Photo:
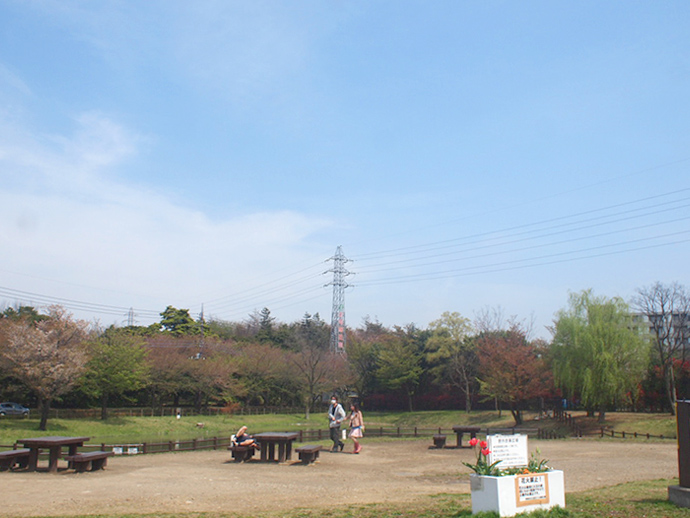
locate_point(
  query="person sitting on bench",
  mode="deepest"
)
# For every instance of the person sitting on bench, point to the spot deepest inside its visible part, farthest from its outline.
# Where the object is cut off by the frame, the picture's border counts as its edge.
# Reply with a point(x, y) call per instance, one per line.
point(242, 438)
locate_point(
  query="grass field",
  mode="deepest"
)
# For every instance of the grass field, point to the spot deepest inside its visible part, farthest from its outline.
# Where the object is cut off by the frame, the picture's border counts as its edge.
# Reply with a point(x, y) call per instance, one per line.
point(633, 500)
point(153, 429)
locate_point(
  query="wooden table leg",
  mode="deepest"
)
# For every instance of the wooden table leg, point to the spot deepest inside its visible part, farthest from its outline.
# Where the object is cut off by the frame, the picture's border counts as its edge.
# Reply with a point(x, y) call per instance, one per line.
point(33, 459)
point(288, 450)
point(271, 451)
point(54, 456)
point(264, 451)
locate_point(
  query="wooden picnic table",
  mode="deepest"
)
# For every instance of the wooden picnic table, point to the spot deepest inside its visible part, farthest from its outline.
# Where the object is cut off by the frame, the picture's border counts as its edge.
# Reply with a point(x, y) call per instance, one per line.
point(268, 442)
point(54, 444)
point(460, 430)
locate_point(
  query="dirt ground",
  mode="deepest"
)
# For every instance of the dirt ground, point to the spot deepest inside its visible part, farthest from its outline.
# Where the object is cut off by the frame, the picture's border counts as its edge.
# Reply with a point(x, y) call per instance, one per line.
point(391, 471)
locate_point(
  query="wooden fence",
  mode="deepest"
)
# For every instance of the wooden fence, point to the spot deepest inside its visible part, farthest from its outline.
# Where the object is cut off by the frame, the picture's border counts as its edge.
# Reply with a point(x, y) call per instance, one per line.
point(628, 435)
point(95, 413)
point(214, 443)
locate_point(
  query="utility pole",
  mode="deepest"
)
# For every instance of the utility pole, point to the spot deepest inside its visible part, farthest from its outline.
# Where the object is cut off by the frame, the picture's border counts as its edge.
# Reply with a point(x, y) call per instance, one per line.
point(338, 335)
point(200, 354)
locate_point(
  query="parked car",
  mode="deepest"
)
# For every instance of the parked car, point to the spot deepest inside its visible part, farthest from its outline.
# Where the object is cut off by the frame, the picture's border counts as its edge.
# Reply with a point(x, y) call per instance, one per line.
point(13, 409)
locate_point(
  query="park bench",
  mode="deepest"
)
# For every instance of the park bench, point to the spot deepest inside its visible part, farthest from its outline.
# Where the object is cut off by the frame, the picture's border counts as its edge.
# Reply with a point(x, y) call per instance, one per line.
point(96, 459)
point(308, 453)
point(439, 441)
point(241, 453)
point(10, 458)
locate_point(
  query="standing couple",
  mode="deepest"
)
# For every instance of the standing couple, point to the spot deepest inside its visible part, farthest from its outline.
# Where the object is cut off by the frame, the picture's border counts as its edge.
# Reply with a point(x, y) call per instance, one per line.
point(336, 415)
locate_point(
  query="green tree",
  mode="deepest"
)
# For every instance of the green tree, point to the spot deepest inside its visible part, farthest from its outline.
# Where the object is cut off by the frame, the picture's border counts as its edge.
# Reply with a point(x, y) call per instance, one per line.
point(400, 362)
point(118, 364)
point(178, 322)
point(451, 352)
point(598, 353)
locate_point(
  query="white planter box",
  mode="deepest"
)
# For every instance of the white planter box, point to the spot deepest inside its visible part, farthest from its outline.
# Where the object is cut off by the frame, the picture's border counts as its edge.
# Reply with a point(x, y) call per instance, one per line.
point(515, 494)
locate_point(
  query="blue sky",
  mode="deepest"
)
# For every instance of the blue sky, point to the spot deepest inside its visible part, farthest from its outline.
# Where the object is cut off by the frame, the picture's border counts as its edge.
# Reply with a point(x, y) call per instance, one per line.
point(466, 155)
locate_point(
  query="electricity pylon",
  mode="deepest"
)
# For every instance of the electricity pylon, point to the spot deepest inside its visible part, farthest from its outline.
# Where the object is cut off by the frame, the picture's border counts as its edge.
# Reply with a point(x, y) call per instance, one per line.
point(338, 334)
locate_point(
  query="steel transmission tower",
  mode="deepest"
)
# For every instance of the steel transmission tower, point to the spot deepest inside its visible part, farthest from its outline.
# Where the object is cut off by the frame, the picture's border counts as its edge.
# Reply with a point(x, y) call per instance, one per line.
point(338, 337)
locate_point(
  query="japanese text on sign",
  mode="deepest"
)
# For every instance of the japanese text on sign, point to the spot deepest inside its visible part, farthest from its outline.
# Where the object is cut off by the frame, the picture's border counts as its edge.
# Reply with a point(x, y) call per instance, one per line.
point(532, 489)
point(511, 450)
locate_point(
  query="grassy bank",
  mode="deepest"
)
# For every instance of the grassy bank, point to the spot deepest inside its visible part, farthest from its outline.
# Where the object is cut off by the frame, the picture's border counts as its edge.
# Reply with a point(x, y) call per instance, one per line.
point(152, 429)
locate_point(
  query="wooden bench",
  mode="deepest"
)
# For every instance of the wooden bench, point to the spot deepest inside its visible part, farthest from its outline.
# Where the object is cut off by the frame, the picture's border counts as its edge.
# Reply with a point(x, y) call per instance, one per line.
point(242, 453)
point(308, 453)
point(10, 458)
point(439, 441)
point(95, 459)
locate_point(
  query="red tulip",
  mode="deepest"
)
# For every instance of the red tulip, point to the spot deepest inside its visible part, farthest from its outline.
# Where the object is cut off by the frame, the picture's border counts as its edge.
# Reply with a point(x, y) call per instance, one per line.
point(483, 445)
point(474, 441)
point(485, 451)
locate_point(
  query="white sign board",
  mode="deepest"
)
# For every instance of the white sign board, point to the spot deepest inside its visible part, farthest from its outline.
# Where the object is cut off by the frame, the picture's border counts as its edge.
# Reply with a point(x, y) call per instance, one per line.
point(511, 450)
point(531, 489)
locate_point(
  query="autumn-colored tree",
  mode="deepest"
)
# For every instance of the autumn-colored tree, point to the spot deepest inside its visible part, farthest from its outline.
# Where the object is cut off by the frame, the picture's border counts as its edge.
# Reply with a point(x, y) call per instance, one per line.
point(48, 356)
point(185, 368)
point(512, 369)
point(266, 374)
point(312, 360)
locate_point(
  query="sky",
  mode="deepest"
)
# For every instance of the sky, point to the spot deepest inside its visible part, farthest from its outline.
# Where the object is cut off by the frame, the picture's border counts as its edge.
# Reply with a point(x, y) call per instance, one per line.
point(466, 156)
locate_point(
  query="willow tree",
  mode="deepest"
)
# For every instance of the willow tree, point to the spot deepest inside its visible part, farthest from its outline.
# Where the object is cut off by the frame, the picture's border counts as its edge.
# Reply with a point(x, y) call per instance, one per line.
point(598, 353)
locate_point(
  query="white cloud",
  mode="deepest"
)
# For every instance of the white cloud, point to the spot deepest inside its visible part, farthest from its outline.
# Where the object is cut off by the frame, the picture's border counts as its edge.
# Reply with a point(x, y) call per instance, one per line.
point(73, 223)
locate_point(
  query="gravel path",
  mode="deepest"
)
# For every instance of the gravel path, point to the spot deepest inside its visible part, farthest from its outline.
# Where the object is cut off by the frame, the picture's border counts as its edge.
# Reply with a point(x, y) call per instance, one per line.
point(208, 481)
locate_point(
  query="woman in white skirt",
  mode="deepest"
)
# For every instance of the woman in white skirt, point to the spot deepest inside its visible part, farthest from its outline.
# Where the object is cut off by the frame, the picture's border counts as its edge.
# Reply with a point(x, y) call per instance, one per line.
point(356, 426)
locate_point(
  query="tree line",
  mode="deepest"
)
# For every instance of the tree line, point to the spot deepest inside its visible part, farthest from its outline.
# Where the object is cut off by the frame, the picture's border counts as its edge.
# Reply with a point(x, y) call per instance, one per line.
point(604, 353)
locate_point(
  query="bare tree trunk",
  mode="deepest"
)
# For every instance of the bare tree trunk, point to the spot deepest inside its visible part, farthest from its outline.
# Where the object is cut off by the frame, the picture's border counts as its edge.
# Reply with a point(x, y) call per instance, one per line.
point(44, 406)
point(468, 397)
point(104, 406)
point(517, 415)
point(602, 415)
point(670, 387)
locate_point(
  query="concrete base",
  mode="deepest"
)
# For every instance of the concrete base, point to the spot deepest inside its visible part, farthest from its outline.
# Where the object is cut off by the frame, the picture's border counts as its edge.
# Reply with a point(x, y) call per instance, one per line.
point(679, 495)
point(504, 496)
